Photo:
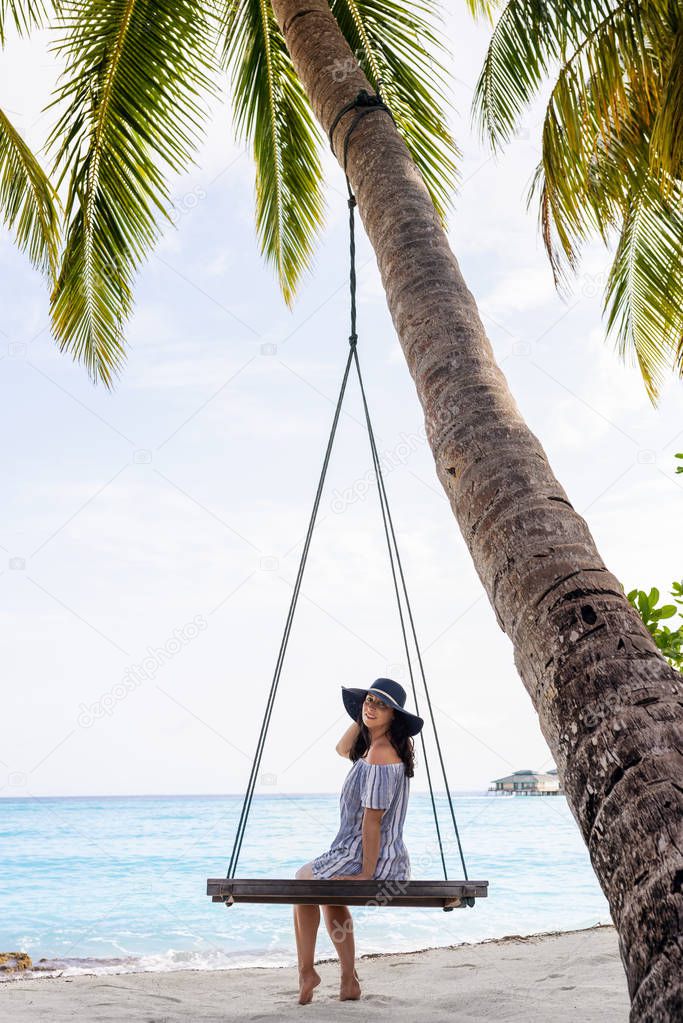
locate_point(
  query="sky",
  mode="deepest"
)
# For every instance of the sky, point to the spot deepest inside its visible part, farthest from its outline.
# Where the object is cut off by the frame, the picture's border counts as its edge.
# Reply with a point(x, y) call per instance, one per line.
point(150, 536)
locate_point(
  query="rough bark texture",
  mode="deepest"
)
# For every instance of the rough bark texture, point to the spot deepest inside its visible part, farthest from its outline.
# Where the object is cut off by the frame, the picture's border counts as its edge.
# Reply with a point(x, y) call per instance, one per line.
point(610, 707)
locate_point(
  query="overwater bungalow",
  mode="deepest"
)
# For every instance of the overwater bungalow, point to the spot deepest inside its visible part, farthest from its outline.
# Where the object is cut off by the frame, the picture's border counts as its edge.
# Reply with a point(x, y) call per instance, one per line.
point(529, 783)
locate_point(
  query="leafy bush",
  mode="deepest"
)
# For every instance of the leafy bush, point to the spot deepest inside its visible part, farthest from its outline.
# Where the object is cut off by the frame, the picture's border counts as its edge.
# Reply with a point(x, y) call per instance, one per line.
point(669, 642)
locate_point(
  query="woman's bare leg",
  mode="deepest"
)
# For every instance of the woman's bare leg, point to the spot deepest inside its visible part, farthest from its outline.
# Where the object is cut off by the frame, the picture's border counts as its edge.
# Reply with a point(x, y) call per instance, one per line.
point(306, 921)
point(339, 923)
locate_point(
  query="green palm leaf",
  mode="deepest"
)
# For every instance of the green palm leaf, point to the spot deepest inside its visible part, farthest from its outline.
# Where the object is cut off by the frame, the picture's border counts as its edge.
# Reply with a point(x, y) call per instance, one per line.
point(605, 183)
point(529, 35)
point(483, 8)
point(591, 39)
point(644, 294)
point(28, 204)
point(133, 94)
point(24, 15)
point(589, 113)
point(666, 144)
point(399, 48)
point(273, 114)
point(612, 151)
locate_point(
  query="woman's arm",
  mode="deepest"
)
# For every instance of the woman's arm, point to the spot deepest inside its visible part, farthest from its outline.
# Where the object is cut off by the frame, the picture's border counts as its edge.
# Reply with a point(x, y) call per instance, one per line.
point(371, 841)
point(347, 740)
point(371, 845)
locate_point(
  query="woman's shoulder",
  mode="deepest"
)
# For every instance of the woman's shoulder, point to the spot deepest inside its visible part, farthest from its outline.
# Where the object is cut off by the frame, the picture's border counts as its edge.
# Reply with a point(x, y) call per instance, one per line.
point(382, 757)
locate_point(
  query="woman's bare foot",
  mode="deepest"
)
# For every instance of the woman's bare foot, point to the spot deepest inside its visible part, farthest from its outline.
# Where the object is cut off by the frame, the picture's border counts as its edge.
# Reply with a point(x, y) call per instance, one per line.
point(308, 980)
point(350, 988)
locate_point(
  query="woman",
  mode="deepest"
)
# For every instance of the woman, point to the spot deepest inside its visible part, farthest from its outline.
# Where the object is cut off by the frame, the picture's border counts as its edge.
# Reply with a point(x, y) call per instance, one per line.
point(369, 844)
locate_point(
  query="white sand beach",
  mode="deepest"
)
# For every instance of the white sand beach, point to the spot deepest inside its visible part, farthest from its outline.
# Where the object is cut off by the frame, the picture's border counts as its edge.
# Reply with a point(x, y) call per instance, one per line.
point(575, 976)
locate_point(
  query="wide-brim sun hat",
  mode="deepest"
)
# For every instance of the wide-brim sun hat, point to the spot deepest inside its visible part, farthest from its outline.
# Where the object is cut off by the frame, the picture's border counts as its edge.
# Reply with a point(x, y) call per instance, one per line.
point(389, 692)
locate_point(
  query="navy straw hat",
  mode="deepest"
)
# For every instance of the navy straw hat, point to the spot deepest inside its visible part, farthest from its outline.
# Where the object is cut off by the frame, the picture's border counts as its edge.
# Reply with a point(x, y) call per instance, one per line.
point(389, 692)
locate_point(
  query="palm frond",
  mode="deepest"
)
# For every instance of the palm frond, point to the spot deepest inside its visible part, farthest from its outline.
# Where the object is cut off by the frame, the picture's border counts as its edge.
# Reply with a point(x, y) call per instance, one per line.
point(399, 47)
point(134, 96)
point(24, 15)
point(589, 113)
point(272, 114)
point(28, 204)
point(609, 189)
point(533, 38)
point(612, 147)
point(582, 190)
point(483, 8)
point(666, 144)
point(644, 294)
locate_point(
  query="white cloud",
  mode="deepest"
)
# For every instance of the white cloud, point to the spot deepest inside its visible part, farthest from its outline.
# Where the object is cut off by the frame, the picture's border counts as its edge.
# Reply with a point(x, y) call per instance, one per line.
point(525, 287)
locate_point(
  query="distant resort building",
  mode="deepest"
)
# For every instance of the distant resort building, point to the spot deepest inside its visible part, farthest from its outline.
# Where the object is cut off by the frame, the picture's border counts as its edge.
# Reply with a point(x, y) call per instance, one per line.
point(529, 783)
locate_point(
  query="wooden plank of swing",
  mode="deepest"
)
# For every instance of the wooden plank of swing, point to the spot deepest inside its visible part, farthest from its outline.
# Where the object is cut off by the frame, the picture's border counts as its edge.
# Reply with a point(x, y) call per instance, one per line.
point(451, 894)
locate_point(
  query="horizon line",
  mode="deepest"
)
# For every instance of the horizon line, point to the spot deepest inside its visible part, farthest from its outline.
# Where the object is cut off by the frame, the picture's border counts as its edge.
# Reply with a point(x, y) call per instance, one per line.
point(207, 795)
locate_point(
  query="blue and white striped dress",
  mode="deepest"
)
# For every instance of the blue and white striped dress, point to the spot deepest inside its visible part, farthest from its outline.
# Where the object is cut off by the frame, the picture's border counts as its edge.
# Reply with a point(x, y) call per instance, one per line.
point(380, 787)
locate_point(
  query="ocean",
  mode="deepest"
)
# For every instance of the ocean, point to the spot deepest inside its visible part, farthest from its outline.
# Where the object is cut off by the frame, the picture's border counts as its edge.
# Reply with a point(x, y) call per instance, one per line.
point(117, 884)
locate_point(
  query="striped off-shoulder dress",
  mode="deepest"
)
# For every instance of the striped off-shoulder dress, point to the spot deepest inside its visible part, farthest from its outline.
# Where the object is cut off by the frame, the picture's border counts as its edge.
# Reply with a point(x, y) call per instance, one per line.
point(381, 787)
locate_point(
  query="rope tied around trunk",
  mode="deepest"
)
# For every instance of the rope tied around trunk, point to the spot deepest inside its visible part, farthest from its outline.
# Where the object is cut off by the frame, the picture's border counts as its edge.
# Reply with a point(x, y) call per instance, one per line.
point(365, 103)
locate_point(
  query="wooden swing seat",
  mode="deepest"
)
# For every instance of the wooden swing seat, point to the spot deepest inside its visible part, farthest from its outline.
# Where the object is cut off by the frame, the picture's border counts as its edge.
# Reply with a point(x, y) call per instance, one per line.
point(447, 895)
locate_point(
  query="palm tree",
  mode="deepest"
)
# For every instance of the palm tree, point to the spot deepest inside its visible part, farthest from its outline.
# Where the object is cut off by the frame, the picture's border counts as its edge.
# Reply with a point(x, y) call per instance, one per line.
point(612, 152)
point(609, 705)
point(137, 73)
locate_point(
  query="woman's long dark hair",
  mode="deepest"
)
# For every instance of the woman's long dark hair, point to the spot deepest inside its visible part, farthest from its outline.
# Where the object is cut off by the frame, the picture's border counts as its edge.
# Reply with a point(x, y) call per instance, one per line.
point(397, 736)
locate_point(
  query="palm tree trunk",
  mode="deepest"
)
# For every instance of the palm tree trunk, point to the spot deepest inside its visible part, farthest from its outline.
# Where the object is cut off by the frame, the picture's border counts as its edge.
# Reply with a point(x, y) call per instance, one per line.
point(610, 707)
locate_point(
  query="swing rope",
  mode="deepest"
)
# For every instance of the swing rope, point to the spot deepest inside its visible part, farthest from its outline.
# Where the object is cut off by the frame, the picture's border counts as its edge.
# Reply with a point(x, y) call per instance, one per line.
point(364, 104)
point(288, 626)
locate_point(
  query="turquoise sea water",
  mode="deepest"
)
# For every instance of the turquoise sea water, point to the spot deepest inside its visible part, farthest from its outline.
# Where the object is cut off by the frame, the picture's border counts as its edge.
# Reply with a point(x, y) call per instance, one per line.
point(112, 884)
